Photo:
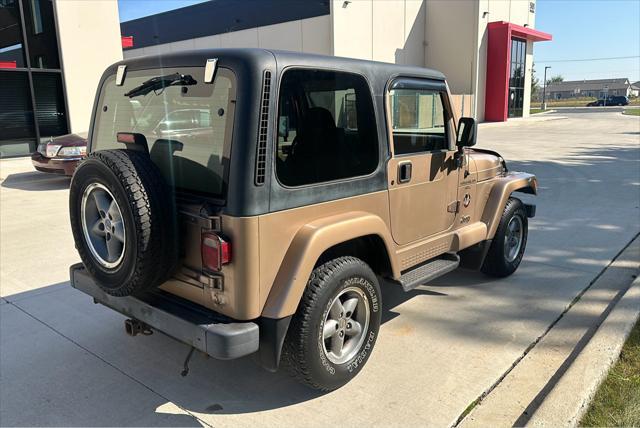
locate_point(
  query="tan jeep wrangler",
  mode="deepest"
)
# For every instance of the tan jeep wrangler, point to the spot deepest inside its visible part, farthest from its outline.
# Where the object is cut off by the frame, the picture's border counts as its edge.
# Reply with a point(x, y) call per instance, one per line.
point(250, 201)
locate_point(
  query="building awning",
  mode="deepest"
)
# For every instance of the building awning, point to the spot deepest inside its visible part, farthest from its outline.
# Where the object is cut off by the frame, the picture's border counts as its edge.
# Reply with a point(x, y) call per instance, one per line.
point(499, 63)
point(521, 32)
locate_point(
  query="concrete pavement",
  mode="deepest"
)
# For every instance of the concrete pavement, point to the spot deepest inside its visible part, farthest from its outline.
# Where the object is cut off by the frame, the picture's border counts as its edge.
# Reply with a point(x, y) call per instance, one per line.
point(517, 399)
point(65, 361)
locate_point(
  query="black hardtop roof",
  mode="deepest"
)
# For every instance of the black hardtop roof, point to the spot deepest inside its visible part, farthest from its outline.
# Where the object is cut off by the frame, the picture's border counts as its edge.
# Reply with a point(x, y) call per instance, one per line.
point(258, 56)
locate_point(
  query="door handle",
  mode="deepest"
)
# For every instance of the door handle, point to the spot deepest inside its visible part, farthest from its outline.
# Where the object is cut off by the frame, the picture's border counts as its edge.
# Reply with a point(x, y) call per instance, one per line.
point(404, 172)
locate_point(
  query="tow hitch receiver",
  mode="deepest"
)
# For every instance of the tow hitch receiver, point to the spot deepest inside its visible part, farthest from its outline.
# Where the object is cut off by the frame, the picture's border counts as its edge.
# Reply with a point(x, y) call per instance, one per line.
point(135, 327)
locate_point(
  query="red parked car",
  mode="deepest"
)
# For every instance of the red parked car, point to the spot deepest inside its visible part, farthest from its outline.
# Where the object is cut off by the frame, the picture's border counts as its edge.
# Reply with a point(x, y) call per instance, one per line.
point(60, 155)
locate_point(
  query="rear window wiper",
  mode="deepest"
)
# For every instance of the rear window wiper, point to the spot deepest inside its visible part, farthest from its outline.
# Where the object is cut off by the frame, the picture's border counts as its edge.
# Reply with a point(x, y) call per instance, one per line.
point(161, 82)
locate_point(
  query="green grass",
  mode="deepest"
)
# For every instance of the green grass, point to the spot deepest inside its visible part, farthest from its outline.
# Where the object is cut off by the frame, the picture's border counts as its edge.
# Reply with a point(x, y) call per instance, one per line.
point(536, 110)
point(632, 111)
point(571, 102)
point(617, 401)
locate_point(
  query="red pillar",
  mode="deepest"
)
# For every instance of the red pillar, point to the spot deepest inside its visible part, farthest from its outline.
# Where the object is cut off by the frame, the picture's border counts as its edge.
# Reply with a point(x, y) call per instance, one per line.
point(498, 62)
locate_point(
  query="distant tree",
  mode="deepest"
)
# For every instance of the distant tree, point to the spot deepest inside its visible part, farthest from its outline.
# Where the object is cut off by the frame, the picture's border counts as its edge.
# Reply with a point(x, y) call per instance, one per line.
point(555, 79)
point(535, 83)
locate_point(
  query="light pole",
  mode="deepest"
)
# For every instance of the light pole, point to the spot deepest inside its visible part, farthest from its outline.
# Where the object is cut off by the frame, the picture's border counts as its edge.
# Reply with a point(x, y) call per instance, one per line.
point(544, 89)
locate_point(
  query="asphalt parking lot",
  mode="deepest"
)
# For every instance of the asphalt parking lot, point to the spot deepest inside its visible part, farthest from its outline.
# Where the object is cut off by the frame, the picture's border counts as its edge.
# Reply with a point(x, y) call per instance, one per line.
point(65, 361)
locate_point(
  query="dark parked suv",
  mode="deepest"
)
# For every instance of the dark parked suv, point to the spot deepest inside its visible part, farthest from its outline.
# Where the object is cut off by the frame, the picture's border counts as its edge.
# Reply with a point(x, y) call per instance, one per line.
point(617, 100)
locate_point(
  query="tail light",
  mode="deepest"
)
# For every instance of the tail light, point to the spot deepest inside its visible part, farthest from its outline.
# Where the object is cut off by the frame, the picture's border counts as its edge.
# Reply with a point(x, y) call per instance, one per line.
point(216, 252)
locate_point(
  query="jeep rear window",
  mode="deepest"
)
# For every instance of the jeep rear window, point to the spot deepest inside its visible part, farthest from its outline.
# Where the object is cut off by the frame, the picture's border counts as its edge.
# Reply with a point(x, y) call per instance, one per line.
point(187, 126)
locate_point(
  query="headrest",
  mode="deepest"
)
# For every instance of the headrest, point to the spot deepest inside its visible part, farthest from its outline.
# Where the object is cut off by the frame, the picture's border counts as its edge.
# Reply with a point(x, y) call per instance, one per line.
point(319, 119)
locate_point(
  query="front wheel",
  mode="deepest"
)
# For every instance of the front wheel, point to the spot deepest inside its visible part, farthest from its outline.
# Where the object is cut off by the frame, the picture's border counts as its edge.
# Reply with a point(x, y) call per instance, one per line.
point(507, 247)
point(336, 325)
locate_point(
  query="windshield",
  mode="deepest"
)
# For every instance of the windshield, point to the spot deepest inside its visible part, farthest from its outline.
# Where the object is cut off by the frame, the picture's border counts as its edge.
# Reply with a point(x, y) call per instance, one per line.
point(186, 122)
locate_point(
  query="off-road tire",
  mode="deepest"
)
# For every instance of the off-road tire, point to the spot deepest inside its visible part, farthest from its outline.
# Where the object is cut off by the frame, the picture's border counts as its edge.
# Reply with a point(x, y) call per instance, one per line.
point(496, 262)
point(148, 212)
point(303, 350)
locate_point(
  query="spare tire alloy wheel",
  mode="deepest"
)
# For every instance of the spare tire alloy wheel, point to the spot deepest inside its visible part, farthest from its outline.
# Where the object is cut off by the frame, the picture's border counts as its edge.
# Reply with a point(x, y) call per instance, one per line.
point(123, 220)
point(103, 225)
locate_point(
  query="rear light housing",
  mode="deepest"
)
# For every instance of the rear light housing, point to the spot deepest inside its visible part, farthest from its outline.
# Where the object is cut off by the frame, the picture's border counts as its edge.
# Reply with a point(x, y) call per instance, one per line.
point(52, 150)
point(73, 151)
point(216, 252)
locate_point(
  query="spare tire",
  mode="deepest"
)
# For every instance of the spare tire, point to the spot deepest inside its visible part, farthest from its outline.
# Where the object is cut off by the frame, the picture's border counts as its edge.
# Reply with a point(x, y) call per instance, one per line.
point(123, 221)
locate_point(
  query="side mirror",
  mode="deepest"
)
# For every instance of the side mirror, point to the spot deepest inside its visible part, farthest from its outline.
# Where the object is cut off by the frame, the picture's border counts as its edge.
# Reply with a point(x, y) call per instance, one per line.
point(466, 132)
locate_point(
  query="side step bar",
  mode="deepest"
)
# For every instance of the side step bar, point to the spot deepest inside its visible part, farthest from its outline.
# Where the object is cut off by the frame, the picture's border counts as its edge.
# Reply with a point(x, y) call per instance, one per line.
point(429, 271)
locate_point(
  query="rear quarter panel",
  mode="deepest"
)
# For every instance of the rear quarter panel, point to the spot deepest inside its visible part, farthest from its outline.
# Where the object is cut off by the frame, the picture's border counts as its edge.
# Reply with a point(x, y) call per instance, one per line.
point(285, 265)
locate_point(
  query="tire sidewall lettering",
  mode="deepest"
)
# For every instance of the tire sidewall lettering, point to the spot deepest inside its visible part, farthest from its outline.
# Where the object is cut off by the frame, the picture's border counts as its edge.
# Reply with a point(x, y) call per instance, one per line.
point(374, 305)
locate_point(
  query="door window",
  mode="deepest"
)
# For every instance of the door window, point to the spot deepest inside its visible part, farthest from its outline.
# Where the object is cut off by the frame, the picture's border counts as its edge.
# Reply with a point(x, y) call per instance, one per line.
point(516, 77)
point(326, 128)
point(418, 120)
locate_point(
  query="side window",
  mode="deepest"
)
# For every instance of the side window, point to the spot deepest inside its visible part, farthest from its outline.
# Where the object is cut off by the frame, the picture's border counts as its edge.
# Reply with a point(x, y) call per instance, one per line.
point(326, 127)
point(418, 120)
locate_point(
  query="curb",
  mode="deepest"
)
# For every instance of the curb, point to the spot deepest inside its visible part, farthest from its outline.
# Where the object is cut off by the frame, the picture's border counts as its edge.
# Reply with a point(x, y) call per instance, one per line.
point(567, 403)
point(544, 112)
point(554, 380)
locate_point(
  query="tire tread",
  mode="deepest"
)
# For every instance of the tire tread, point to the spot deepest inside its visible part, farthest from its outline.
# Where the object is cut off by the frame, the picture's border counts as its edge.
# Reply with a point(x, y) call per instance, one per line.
point(294, 353)
point(494, 264)
point(144, 189)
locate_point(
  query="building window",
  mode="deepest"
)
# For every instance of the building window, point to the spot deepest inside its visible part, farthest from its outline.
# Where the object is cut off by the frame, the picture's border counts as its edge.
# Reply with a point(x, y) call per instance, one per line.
point(22, 122)
point(18, 134)
point(41, 34)
point(36, 17)
point(327, 129)
point(516, 77)
point(11, 44)
point(50, 108)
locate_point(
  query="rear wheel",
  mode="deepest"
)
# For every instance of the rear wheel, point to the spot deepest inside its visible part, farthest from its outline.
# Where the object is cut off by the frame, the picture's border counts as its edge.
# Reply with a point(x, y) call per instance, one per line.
point(123, 221)
point(508, 245)
point(336, 325)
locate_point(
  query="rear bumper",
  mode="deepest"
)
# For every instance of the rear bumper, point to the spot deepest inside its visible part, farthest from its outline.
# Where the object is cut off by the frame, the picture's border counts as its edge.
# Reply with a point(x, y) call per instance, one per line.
point(54, 165)
point(194, 325)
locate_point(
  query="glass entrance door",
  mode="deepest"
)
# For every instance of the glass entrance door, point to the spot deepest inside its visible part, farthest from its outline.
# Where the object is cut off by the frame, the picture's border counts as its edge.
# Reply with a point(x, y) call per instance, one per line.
point(32, 101)
point(516, 77)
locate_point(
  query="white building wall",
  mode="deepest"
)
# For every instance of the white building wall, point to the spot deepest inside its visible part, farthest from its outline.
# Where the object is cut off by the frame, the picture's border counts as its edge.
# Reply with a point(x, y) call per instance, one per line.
point(89, 38)
point(447, 35)
point(380, 30)
point(516, 12)
point(451, 42)
point(311, 35)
